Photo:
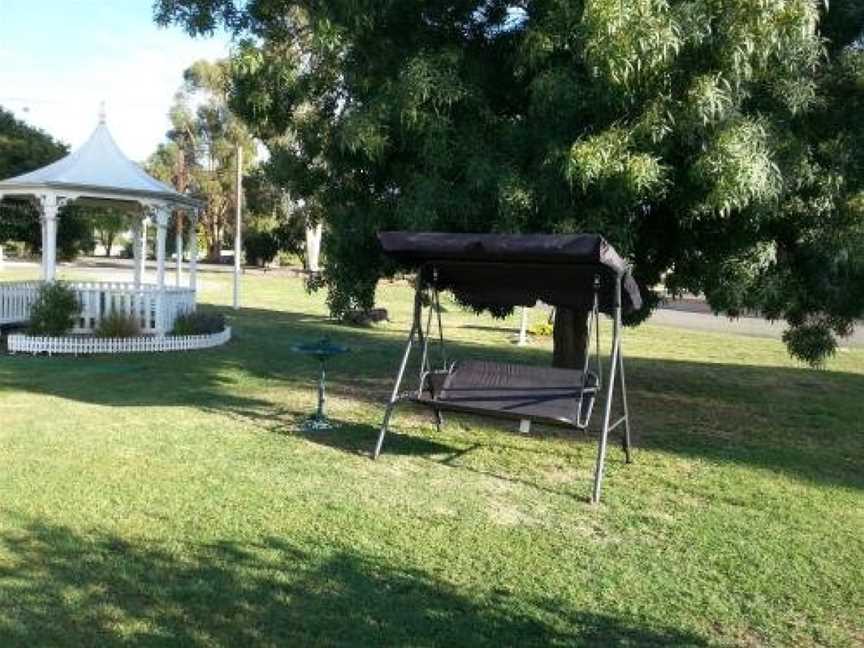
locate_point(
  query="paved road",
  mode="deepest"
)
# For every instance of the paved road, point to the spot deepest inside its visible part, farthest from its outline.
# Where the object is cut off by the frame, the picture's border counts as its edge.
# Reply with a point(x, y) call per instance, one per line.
point(694, 314)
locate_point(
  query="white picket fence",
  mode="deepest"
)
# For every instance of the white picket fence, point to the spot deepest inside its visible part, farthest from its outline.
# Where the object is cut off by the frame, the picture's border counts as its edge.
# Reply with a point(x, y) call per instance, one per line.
point(73, 345)
point(155, 310)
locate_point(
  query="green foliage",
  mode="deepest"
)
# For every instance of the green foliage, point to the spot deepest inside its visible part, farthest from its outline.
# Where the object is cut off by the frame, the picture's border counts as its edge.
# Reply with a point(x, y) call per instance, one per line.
point(738, 169)
point(108, 224)
point(260, 246)
point(118, 325)
point(74, 233)
point(201, 152)
point(810, 343)
point(272, 212)
point(54, 310)
point(541, 329)
point(22, 149)
point(19, 221)
point(718, 145)
point(199, 323)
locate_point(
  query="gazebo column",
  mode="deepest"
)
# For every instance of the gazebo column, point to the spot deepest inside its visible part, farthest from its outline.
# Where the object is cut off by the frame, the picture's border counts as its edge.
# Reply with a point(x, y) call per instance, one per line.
point(51, 205)
point(193, 250)
point(138, 272)
point(139, 249)
point(44, 240)
point(161, 241)
point(178, 244)
point(161, 214)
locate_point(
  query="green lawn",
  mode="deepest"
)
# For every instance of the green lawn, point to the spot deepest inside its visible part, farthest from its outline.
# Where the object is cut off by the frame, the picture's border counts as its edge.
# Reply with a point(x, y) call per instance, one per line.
point(171, 500)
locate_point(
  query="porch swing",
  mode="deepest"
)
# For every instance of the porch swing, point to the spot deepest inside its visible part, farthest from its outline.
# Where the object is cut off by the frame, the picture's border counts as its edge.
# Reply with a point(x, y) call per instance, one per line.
point(500, 271)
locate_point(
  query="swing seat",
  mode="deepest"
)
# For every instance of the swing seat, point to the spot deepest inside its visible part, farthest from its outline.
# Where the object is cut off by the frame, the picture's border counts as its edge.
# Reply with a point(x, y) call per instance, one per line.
point(513, 391)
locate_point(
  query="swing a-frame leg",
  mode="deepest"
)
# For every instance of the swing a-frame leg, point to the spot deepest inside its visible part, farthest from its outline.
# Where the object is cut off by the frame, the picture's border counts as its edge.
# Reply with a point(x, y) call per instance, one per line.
point(423, 339)
point(616, 370)
point(416, 330)
point(394, 396)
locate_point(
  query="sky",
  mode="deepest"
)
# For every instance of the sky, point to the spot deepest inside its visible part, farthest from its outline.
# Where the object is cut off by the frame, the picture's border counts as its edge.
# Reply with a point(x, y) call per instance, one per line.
point(59, 59)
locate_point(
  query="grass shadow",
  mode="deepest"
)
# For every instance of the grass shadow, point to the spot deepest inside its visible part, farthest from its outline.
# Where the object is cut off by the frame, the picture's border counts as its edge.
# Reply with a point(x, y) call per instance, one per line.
point(356, 439)
point(61, 587)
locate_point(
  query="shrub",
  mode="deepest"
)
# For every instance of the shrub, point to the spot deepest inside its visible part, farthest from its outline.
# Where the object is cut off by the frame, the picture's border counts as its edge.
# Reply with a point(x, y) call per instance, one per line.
point(198, 323)
point(541, 329)
point(54, 310)
point(261, 247)
point(118, 325)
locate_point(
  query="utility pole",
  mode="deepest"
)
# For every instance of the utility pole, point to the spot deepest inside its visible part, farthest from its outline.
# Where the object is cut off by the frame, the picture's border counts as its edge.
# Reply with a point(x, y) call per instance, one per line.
point(238, 242)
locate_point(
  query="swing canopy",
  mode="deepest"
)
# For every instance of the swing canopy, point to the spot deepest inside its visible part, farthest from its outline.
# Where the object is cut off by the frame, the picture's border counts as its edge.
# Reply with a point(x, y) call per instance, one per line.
point(518, 269)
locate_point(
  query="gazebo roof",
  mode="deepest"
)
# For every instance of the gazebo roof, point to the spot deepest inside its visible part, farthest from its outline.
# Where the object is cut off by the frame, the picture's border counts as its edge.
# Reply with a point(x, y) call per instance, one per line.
point(98, 169)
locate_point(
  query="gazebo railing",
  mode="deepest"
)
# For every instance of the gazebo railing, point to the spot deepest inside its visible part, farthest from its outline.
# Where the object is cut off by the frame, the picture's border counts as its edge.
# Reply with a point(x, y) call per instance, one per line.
point(16, 299)
point(153, 308)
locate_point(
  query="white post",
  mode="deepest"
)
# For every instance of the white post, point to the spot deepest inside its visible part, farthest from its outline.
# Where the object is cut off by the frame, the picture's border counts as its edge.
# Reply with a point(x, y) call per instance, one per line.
point(161, 213)
point(137, 226)
point(50, 206)
point(313, 247)
point(193, 250)
point(141, 258)
point(161, 240)
point(44, 239)
point(178, 245)
point(523, 327)
point(238, 241)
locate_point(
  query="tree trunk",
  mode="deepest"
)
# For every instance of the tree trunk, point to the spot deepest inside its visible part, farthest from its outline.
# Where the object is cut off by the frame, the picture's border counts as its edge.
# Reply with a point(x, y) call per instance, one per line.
point(570, 338)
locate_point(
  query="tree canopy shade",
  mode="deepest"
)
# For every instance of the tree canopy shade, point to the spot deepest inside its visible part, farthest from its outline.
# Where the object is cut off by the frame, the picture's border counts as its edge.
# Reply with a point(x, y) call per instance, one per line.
point(716, 145)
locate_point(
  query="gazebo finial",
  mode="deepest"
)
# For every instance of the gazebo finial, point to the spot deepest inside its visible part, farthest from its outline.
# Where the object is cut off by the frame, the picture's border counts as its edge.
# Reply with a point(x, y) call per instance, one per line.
point(102, 112)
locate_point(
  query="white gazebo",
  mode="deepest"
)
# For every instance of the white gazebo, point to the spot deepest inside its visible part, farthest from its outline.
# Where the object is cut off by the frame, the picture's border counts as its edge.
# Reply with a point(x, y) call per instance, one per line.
point(99, 174)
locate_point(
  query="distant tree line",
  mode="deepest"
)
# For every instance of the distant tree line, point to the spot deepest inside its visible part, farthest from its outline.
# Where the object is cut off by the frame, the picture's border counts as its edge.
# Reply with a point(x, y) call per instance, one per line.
point(199, 157)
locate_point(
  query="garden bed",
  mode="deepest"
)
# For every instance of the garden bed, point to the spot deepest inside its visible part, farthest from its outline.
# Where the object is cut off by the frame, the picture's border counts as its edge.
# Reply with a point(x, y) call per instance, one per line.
point(89, 345)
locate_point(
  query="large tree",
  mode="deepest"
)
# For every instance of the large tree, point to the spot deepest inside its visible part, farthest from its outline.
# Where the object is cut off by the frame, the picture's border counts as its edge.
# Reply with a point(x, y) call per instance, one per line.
point(107, 224)
point(24, 148)
point(718, 145)
point(274, 222)
point(201, 148)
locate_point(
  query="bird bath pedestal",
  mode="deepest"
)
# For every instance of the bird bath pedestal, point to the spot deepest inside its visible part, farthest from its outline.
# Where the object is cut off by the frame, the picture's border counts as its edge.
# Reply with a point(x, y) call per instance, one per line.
point(322, 349)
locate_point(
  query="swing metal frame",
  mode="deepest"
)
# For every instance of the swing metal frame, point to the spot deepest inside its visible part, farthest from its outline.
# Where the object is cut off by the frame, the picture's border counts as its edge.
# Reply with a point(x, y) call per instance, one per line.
point(432, 384)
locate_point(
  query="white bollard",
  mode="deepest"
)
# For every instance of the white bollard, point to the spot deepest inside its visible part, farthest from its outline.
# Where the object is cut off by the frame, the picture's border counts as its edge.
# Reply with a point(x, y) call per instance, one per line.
point(523, 327)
